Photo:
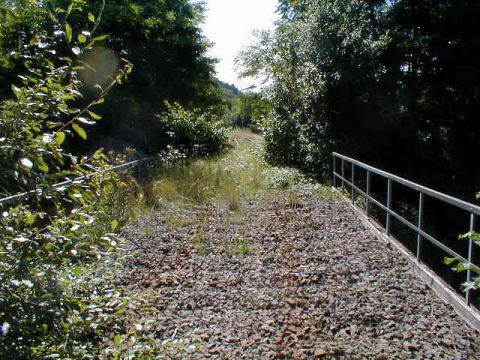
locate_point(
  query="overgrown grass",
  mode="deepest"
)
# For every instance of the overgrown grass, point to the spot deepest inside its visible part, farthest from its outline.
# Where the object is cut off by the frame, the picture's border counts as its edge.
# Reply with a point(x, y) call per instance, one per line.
point(242, 247)
point(230, 180)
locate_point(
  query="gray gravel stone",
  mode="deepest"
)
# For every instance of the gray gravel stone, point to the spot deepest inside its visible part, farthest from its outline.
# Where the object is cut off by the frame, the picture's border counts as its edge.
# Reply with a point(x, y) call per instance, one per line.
point(317, 284)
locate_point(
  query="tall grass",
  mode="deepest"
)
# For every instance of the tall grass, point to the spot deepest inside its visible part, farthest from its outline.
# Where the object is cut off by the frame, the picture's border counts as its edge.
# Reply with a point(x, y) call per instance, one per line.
point(231, 179)
point(227, 179)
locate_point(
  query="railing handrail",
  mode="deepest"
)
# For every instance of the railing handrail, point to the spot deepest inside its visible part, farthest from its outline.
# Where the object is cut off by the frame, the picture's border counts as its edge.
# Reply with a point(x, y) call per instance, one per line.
point(80, 179)
point(473, 210)
point(426, 190)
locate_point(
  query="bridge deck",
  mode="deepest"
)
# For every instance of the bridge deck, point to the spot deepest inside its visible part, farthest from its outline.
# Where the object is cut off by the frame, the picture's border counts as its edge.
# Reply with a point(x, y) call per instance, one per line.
point(308, 282)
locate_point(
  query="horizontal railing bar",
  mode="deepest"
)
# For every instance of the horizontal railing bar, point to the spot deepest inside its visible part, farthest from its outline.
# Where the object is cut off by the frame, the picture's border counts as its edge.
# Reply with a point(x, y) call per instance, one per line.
point(383, 207)
point(410, 225)
point(425, 190)
point(27, 194)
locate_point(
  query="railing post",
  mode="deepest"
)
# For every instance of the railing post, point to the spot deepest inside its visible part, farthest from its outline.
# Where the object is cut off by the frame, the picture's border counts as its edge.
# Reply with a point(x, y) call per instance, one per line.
point(353, 183)
point(389, 205)
point(420, 220)
point(470, 257)
point(367, 207)
point(334, 171)
point(343, 173)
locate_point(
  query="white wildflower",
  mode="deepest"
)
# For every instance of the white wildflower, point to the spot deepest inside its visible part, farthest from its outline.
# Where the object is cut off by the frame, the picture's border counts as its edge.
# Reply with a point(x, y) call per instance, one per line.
point(26, 163)
point(4, 329)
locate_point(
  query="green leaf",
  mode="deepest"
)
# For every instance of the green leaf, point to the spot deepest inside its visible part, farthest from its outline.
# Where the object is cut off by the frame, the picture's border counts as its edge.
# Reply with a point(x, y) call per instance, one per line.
point(52, 17)
point(80, 131)
point(60, 138)
point(77, 271)
point(91, 17)
point(120, 312)
point(30, 219)
point(85, 121)
point(16, 90)
point(471, 234)
point(114, 225)
point(100, 101)
point(99, 38)
point(42, 165)
point(68, 32)
point(98, 154)
point(449, 261)
point(118, 339)
point(94, 116)
point(462, 266)
point(67, 59)
point(82, 38)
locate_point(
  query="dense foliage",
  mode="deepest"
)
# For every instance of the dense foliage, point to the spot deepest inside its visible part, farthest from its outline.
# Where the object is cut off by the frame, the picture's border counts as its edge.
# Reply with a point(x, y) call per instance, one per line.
point(394, 83)
point(161, 38)
point(59, 248)
point(46, 243)
point(192, 132)
point(244, 109)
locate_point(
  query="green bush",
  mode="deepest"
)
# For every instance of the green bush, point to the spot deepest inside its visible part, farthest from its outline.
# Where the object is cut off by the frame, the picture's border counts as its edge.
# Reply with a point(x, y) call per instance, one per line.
point(53, 301)
point(194, 133)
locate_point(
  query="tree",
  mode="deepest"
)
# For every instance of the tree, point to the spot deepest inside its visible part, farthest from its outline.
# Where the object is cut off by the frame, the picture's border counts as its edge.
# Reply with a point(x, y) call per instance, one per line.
point(394, 83)
point(161, 38)
point(251, 111)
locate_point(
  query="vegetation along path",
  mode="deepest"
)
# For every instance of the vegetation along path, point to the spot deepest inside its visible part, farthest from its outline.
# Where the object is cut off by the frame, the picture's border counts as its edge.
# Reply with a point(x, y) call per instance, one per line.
point(242, 260)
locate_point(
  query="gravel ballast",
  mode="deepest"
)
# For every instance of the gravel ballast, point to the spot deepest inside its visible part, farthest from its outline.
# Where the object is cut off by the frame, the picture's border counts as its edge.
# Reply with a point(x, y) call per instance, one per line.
point(314, 282)
point(293, 273)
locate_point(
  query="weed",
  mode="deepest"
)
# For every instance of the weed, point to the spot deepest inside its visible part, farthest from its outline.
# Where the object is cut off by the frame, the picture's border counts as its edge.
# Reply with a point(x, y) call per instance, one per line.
point(199, 241)
point(282, 178)
point(235, 220)
point(164, 189)
point(293, 200)
point(231, 195)
point(199, 236)
point(148, 229)
point(173, 221)
point(202, 248)
point(243, 247)
point(327, 192)
point(361, 201)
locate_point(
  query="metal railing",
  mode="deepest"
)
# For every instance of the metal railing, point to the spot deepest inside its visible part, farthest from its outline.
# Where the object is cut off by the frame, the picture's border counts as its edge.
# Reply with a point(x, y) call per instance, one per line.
point(39, 191)
point(473, 210)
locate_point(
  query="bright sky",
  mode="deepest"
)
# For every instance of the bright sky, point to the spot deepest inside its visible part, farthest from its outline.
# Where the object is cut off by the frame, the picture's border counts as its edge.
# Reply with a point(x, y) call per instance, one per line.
point(229, 24)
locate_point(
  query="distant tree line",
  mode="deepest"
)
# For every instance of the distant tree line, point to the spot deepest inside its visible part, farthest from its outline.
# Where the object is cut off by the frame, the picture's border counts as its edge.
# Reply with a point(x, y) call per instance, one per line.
point(393, 83)
point(246, 110)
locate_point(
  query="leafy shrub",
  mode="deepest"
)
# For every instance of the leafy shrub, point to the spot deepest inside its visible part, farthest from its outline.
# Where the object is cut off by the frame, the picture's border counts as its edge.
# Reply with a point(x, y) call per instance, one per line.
point(192, 132)
point(53, 303)
point(459, 266)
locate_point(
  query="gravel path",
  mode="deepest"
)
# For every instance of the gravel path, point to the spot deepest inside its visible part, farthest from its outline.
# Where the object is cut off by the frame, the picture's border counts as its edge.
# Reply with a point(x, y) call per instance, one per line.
point(289, 283)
